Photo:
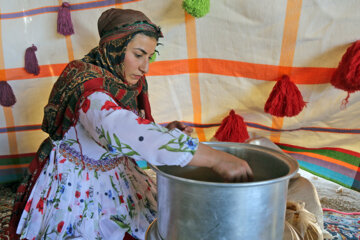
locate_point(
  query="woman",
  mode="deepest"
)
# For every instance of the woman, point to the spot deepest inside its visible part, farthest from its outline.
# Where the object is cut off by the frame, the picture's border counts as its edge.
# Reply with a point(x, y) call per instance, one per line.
point(85, 183)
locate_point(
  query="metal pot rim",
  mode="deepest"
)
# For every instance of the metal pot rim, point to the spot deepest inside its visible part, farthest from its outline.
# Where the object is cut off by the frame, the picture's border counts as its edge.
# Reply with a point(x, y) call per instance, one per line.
point(290, 161)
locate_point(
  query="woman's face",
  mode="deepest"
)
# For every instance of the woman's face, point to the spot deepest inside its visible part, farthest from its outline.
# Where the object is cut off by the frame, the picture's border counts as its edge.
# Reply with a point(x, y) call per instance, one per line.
point(137, 56)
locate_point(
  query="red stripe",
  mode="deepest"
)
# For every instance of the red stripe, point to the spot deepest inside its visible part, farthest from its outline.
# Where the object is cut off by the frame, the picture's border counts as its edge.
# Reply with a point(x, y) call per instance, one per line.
point(356, 154)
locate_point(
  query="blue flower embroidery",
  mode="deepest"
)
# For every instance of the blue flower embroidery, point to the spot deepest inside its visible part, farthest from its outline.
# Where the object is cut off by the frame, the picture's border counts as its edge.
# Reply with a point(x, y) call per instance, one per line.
point(191, 144)
point(62, 189)
point(108, 193)
point(69, 230)
point(111, 148)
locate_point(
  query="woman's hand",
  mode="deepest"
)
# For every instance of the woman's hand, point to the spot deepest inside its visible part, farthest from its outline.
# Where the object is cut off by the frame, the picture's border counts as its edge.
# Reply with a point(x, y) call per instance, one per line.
point(179, 125)
point(231, 168)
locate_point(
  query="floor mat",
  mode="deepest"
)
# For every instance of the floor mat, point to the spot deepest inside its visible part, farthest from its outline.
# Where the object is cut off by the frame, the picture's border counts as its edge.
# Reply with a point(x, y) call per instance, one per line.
point(7, 196)
point(342, 226)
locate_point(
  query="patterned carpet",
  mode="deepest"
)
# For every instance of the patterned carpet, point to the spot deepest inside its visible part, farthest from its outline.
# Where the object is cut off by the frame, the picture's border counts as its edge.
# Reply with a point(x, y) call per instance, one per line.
point(7, 194)
point(342, 226)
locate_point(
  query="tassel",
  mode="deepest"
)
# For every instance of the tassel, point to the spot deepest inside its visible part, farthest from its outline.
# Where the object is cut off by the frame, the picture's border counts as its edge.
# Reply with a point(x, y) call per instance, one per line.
point(303, 222)
point(232, 129)
point(31, 62)
point(196, 8)
point(64, 24)
point(7, 97)
point(347, 75)
point(285, 99)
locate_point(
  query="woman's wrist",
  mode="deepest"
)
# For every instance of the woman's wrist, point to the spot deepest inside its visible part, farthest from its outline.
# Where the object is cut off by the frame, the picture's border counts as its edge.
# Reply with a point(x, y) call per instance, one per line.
point(204, 156)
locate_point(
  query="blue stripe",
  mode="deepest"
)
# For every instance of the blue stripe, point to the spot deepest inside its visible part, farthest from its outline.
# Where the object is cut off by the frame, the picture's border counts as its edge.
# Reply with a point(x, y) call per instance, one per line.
point(83, 6)
point(21, 128)
point(328, 174)
point(254, 125)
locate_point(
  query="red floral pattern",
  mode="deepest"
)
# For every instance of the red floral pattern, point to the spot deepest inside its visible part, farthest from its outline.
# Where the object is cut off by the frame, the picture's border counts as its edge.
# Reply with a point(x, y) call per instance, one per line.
point(110, 105)
point(40, 205)
point(143, 121)
point(77, 194)
point(60, 226)
point(28, 205)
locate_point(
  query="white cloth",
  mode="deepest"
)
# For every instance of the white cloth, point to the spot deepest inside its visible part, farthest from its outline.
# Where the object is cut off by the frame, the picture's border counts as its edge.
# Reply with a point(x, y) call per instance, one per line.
point(95, 190)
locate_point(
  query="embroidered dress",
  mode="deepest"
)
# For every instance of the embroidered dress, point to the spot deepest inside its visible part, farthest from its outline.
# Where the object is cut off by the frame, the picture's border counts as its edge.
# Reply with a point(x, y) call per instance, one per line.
point(95, 190)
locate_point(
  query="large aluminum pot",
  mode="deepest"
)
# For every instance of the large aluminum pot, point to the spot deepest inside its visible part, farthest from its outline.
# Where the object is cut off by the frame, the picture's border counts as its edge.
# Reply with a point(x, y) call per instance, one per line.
point(195, 203)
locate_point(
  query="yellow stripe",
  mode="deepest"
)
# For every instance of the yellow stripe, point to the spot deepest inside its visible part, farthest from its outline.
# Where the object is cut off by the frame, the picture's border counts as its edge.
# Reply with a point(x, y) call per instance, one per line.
point(190, 26)
point(8, 114)
point(291, 26)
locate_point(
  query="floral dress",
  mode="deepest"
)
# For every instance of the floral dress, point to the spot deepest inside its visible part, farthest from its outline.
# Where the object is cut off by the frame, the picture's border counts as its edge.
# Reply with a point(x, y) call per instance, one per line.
point(91, 187)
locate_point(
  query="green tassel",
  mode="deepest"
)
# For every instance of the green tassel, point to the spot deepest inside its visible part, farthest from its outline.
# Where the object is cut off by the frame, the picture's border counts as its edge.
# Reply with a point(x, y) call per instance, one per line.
point(197, 8)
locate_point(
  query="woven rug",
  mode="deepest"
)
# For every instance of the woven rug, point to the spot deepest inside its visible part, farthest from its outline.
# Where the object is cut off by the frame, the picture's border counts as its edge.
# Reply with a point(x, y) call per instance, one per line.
point(342, 226)
point(7, 196)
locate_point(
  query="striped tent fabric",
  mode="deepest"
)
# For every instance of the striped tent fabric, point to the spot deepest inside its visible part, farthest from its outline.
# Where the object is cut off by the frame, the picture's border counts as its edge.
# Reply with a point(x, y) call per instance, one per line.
point(228, 59)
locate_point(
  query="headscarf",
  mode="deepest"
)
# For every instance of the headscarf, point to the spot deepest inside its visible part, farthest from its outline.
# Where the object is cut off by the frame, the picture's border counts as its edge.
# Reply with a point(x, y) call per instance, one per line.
point(98, 71)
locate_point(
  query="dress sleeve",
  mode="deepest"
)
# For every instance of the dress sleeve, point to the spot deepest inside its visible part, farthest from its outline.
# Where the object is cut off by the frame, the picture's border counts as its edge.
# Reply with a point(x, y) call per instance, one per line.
point(122, 132)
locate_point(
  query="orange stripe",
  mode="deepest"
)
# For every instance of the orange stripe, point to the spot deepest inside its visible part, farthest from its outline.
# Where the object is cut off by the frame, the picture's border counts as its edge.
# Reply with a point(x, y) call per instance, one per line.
point(190, 26)
point(8, 114)
point(69, 48)
point(300, 75)
point(327, 159)
point(9, 119)
point(52, 70)
point(291, 26)
point(25, 165)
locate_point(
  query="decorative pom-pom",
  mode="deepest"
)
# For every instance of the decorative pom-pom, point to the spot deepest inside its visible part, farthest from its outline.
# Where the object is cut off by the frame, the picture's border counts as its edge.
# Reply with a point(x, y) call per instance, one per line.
point(64, 23)
point(232, 129)
point(31, 62)
point(7, 97)
point(196, 8)
point(285, 99)
point(347, 74)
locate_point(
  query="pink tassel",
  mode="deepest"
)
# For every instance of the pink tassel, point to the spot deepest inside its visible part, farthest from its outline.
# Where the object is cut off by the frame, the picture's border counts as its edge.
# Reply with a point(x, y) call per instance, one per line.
point(64, 24)
point(7, 97)
point(31, 62)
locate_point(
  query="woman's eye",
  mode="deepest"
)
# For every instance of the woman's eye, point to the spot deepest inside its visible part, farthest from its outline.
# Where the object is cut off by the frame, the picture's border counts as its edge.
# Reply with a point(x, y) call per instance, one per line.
point(137, 55)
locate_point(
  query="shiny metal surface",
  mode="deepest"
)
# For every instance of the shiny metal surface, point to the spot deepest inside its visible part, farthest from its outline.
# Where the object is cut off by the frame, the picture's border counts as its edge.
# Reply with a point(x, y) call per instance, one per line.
point(194, 203)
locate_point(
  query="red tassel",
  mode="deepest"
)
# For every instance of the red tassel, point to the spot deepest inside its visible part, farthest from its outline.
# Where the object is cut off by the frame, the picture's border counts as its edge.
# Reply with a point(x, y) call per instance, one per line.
point(31, 62)
point(7, 97)
point(347, 74)
point(232, 129)
point(64, 24)
point(285, 99)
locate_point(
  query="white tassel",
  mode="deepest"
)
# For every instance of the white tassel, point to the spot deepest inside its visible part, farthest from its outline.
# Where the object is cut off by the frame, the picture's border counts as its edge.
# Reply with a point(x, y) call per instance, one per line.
point(302, 222)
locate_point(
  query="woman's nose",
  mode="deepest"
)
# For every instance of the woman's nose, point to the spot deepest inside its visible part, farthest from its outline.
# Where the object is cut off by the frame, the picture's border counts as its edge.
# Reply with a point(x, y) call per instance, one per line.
point(144, 67)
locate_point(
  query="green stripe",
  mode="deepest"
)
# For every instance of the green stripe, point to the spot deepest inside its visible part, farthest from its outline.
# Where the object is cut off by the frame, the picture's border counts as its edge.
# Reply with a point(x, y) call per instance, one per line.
point(15, 161)
point(344, 157)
